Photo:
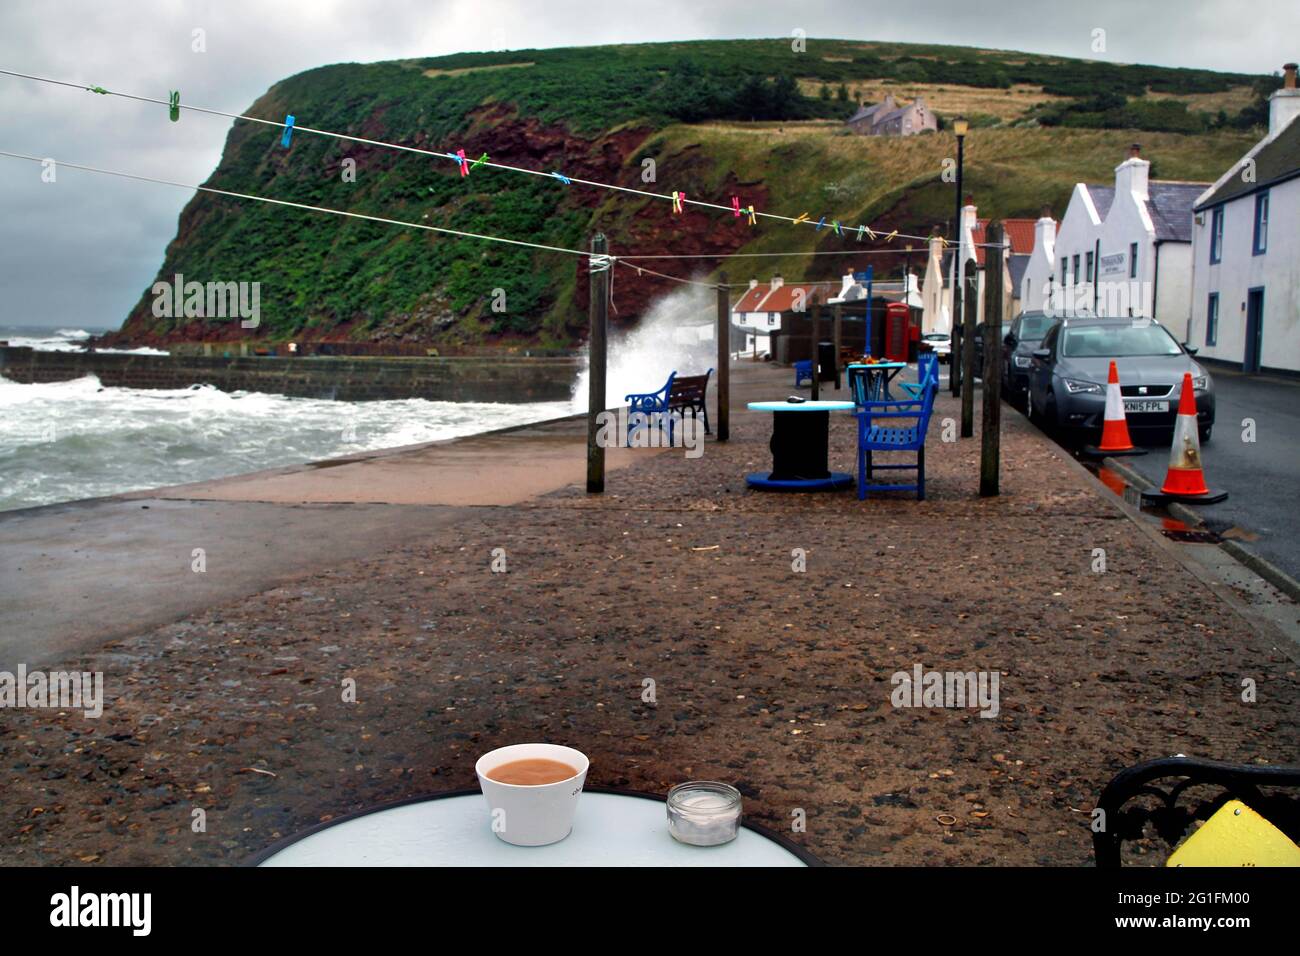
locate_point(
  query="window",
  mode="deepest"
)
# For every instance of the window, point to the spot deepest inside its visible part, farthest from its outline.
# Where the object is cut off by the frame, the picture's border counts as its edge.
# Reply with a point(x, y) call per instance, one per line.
point(1216, 234)
point(1132, 260)
point(1260, 243)
point(1076, 267)
point(1090, 267)
point(1064, 263)
point(1212, 320)
point(1118, 341)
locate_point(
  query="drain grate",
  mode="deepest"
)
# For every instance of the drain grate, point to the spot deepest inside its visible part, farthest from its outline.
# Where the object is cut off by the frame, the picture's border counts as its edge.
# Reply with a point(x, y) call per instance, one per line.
point(1192, 537)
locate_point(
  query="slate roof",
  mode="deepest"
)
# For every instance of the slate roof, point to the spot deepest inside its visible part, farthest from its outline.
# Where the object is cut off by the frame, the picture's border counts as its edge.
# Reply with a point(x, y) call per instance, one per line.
point(1276, 162)
point(1102, 197)
point(1017, 262)
point(1170, 206)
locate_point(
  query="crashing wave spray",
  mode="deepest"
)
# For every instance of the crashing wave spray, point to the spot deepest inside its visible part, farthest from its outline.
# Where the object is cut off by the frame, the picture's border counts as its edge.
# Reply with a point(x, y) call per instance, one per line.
point(669, 336)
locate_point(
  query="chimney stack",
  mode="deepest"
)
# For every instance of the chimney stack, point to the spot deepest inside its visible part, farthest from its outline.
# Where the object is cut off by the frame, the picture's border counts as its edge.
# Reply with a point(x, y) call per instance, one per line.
point(1284, 104)
point(1131, 175)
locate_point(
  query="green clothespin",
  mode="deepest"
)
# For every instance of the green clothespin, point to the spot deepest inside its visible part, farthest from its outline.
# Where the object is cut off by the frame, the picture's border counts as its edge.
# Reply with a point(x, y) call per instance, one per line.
point(97, 89)
point(479, 162)
point(174, 109)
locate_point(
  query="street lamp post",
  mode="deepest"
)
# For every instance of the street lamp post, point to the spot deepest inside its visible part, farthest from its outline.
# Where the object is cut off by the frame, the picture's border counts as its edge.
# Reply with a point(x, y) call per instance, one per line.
point(959, 126)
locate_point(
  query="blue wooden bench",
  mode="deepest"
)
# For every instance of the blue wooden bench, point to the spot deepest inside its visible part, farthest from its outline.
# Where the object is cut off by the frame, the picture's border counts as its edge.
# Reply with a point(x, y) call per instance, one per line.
point(682, 394)
point(803, 370)
point(874, 437)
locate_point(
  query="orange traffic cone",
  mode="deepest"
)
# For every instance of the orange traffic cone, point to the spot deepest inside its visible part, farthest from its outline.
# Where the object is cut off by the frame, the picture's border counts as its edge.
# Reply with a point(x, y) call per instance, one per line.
point(1185, 480)
point(1114, 428)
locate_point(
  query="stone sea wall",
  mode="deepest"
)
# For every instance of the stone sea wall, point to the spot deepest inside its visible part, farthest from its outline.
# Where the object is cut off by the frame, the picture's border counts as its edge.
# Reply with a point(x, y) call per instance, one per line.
point(505, 379)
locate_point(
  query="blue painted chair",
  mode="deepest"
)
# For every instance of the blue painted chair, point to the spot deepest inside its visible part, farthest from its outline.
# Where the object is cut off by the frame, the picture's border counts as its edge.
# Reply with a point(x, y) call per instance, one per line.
point(927, 367)
point(803, 370)
point(650, 404)
point(874, 437)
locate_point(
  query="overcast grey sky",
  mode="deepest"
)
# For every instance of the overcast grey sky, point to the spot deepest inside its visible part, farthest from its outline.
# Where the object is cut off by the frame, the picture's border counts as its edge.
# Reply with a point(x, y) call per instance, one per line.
point(78, 252)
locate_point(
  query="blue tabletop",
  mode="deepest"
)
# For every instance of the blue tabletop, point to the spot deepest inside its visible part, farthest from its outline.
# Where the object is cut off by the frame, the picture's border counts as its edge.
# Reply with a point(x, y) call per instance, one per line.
point(799, 406)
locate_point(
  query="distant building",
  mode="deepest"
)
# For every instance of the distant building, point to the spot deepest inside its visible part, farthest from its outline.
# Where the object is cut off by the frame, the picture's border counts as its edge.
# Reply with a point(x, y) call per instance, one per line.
point(759, 310)
point(1126, 249)
point(1245, 299)
point(1035, 282)
point(936, 288)
point(887, 118)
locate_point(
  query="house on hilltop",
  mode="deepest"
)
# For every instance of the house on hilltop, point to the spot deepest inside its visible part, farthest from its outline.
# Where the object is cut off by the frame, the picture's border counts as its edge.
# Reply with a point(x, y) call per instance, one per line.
point(887, 118)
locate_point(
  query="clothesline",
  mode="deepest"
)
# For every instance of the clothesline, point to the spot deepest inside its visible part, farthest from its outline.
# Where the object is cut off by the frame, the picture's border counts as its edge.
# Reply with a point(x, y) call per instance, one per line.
point(678, 198)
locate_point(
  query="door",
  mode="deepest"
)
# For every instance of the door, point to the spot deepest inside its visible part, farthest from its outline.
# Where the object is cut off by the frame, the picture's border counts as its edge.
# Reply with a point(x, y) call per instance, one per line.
point(1254, 330)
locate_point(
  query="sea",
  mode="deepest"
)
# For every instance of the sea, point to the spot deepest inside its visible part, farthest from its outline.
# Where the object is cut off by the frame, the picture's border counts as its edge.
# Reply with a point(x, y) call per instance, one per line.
point(64, 441)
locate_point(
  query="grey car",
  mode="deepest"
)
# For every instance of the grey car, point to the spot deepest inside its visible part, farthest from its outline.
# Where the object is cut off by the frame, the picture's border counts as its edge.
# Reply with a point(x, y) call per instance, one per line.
point(1018, 347)
point(1067, 378)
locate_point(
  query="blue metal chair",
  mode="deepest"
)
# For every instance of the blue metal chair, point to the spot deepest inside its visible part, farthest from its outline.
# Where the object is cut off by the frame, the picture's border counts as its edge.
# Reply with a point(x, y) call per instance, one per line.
point(803, 370)
point(873, 438)
point(927, 367)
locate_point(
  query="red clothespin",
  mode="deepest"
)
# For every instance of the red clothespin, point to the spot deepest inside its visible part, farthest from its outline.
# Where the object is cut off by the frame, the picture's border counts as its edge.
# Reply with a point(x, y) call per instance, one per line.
point(678, 199)
point(464, 162)
point(735, 206)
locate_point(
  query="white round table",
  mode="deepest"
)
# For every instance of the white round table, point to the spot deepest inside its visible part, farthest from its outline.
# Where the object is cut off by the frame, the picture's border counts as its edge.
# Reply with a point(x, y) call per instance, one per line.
point(610, 829)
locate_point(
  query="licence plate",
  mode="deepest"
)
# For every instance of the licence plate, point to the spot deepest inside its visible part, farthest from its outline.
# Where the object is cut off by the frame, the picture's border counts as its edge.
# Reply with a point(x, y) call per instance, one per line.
point(1145, 405)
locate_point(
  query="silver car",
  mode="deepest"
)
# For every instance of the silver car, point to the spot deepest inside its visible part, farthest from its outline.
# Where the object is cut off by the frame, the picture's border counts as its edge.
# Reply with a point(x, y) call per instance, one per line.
point(1067, 381)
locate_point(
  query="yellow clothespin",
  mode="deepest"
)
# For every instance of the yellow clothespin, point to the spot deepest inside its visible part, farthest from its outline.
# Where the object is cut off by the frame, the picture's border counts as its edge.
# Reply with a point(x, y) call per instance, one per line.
point(803, 217)
point(678, 199)
point(890, 237)
point(753, 216)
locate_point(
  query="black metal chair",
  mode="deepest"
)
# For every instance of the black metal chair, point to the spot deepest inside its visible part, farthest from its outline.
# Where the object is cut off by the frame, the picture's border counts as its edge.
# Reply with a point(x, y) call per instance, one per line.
point(1260, 788)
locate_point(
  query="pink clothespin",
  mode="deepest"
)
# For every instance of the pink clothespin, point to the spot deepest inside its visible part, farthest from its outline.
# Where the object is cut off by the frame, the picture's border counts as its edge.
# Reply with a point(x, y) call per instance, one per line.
point(678, 199)
point(735, 206)
point(464, 162)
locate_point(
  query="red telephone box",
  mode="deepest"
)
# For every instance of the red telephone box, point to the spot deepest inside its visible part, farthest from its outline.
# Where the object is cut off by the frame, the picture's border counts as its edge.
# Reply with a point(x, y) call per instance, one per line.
point(897, 316)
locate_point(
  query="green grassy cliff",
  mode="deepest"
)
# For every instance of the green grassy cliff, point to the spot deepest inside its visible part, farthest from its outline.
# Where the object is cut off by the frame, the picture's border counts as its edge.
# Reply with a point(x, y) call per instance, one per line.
point(751, 117)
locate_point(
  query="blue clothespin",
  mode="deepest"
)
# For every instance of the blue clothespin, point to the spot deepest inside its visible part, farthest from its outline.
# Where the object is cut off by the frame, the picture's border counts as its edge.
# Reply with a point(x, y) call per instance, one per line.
point(821, 222)
point(562, 178)
point(288, 131)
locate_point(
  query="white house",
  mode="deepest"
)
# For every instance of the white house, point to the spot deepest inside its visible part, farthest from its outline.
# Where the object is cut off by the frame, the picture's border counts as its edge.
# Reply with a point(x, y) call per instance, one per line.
point(759, 309)
point(1127, 249)
point(1040, 271)
point(936, 292)
point(1245, 307)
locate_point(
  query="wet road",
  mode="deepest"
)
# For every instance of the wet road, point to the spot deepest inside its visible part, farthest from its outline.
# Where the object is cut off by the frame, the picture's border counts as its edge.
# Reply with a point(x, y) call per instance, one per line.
point(1262, 477)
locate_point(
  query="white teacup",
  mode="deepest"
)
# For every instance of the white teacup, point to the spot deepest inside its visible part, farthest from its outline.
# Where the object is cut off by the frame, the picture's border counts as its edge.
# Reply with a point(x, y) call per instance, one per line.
point(532, 815)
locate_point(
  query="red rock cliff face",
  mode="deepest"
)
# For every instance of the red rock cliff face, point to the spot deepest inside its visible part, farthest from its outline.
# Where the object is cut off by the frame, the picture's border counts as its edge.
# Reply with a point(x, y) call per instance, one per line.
point(632, 223)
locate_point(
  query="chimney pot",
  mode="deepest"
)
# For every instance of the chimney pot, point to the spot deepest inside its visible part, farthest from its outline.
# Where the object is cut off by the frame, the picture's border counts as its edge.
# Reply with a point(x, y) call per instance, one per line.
point(1288, 75)
point(970, 200)
point(1135, 150)
point(1045, 212)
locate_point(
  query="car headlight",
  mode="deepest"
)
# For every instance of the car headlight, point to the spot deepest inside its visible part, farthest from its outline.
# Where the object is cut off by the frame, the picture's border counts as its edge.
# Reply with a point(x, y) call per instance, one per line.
point(1023, 361)
point(1201, 383)
point(1074, 386)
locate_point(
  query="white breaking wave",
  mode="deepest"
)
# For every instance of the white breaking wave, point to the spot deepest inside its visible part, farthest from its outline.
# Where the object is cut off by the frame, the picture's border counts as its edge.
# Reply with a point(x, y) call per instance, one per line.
point(670, 336)
point(78, 439)
point(64, 340)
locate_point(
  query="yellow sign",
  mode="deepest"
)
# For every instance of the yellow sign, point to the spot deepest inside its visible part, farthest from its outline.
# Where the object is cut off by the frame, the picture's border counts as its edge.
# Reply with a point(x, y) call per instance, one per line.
point(1236, 836)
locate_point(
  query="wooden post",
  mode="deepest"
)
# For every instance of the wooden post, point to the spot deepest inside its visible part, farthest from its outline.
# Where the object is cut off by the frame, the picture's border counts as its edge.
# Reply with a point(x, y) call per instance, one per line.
point(970, 305)
point(991, 435)
point(598, 315)
point(724, 358)
point(816, 335)
point(837, 337)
